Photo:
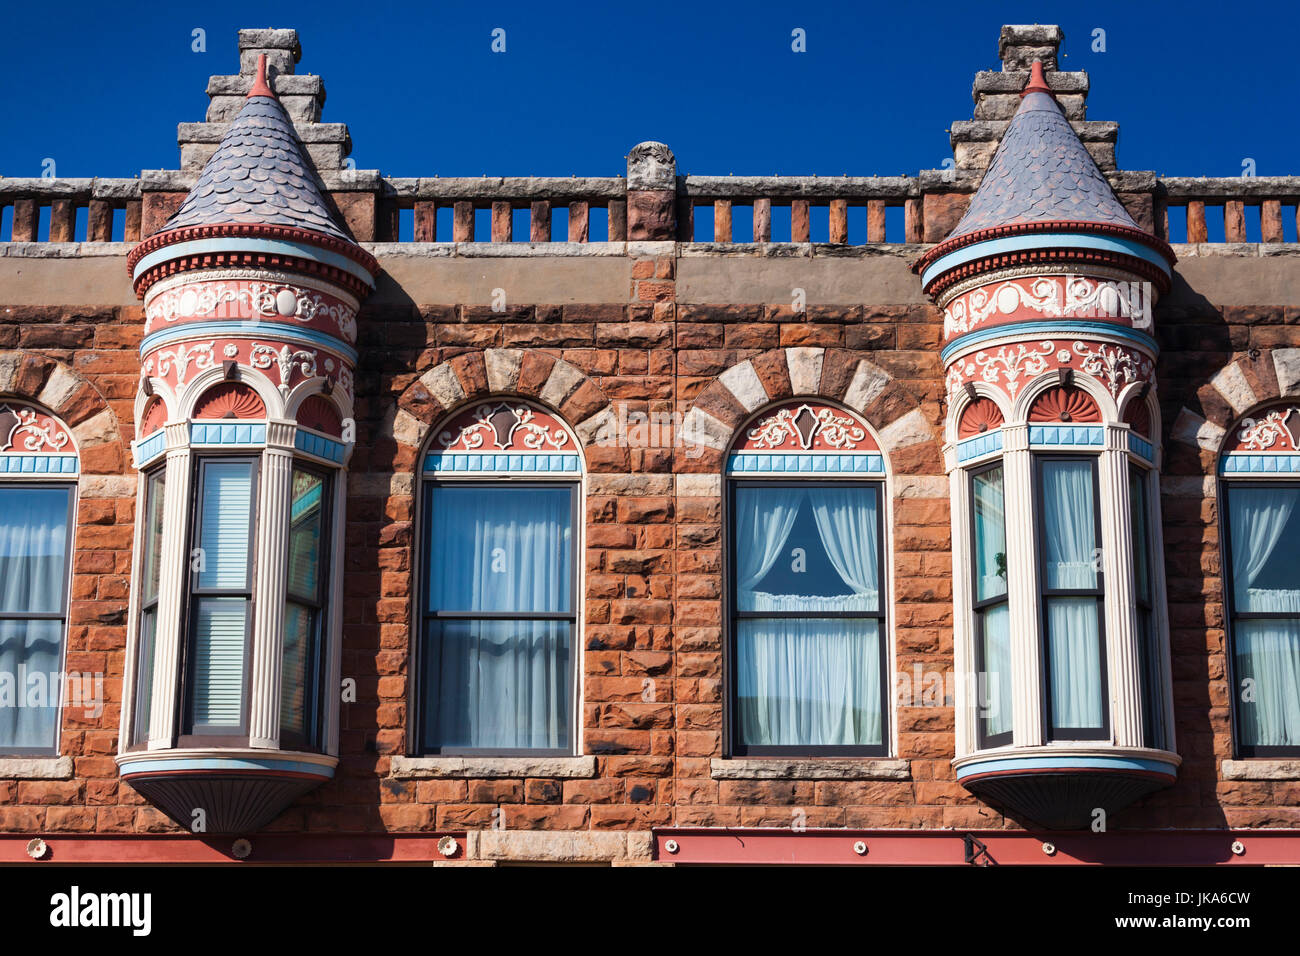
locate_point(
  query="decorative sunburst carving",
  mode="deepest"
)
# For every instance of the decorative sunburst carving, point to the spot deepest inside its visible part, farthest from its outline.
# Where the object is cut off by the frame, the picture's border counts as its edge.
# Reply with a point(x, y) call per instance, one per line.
point(230, 400)
point(155, 414)
point(1138, 417)
point(1063, 404)
point(320, 414)
point(980, 416)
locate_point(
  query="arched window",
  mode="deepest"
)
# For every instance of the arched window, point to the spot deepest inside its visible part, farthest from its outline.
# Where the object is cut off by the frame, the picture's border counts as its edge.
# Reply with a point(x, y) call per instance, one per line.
point(38, 490)
point(1260, 514)
point(499, 592)
point(807, 627)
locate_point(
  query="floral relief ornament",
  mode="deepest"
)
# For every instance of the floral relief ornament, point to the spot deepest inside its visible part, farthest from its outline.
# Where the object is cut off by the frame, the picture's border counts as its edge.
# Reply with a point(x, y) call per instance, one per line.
point(1116, 367)
point(262, 356)
point(267, 300)
point(1263, 433)
point(22, 427)
point(1046, 297)
point(1012, 363)
point(805, 426)
point(504, 424)
point(180, 357)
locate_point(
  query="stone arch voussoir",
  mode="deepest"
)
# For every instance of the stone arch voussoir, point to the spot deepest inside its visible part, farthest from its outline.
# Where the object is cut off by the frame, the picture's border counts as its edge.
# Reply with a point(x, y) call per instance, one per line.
point(1247, 382)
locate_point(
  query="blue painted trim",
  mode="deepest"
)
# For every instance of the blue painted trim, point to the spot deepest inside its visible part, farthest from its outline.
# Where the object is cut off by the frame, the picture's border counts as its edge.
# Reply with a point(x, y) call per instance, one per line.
point(451, 462)
point(1043, 240)
point(271, 330)
point(38, 465)
point(147, 449)
point(1052, 435)
point(820, 463)
point(279, 247)
point(318, 445)
point(1238, 463)
point(1038, 330)
point(1030, 762)
point(227, 764)
point(1141, 447)
point(227, 433)
point(969, 448)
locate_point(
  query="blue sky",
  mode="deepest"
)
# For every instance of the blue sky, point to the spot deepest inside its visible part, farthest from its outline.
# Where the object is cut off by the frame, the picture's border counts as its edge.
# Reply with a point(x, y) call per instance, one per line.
point(1195, 88)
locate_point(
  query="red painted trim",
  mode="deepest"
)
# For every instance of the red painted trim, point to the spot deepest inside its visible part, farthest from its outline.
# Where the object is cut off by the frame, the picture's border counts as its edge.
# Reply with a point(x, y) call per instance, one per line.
point(1037, 82)
point(947, 848)
point(1091, 771)
point(258, 260)
point(221, 772)
point(267, 848)
point(1047, 225)
point(259, 87)
point(252, 230)
point(1087, 257)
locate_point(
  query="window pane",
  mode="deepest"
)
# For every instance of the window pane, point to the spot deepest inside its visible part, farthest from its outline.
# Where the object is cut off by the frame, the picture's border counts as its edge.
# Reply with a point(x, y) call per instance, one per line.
point(1069, 525)
point(994, 684)
point(498, 684)
point(153, 529)
point(1268, 678)
point(296, 677)
point(990, 535)
point(809, 549)
point(1265, 524)
point(1153, 698)
point(1074, 659)
point(306, 520)
point(500, 549)
point(33, 548)
point(218, 693)
point(144, 679)
point(226, 505)
point(30, 654)
point(808, 682)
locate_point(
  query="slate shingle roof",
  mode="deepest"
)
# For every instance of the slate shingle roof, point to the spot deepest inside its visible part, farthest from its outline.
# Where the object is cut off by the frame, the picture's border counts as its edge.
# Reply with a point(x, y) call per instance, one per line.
point(258, 175)
point(1042, 172)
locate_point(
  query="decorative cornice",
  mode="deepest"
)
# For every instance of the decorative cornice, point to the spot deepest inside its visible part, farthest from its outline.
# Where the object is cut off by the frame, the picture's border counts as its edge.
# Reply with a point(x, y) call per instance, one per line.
point(1032, 228)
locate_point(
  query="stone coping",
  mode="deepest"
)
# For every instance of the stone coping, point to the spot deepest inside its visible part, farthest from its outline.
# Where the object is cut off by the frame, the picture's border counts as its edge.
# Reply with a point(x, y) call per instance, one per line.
point(812, 768)
point(488, 768)
point(35, 768)
point(1261, 769)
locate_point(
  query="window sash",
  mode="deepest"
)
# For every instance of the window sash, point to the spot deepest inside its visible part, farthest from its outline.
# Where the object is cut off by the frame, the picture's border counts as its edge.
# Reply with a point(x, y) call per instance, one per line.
point(982, 608)
point(302, 668)
point(1236, 666)
point(147, 622)
point(1050, 598)
point(216, 671)
point(732, 733)
point(434, 621)
point(53, 709)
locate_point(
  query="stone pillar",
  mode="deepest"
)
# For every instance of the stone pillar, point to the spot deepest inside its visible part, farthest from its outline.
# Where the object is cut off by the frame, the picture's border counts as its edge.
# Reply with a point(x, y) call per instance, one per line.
point(275, 493)
point(1022, 588)
point(173, 583)
point(651, 193)
point(1123, 665)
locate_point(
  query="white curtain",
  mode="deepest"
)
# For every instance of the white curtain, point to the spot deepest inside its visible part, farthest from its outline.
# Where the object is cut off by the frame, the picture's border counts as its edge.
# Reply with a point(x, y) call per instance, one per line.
point(995, 691)
point(500, 684)
point(809, 681)
point(764, 518)
point(1267, 649)
point(1073, 627)
point(990, 536)
point(33, 566)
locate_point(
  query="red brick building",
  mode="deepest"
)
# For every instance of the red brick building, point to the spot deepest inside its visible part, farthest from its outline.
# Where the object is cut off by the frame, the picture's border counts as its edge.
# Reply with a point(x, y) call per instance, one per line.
point(352, 517)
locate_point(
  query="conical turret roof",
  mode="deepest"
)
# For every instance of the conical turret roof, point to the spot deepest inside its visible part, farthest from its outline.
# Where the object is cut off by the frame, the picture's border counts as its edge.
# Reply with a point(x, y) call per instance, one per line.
point(259, 175)
point(1041, 172)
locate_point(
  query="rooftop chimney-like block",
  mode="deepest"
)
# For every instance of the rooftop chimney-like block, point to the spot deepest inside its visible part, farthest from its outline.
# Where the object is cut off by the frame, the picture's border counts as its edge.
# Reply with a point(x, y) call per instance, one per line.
point(1020, 45)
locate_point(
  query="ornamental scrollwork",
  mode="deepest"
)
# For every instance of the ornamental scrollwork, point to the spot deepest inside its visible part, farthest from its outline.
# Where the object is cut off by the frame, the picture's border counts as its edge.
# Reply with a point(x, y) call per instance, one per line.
point(504, 425)
point(286, 359)
point(805, 425)
point(1115, 367)
point(1011, 363)
point(1260, 434)
point(263, 299)
point(22, 429)
point(180, 358)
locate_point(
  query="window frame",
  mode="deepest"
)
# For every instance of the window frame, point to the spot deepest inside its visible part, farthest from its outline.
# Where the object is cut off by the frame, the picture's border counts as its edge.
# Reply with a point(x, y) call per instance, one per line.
point(984, 741)
point(315, 679)
point(186, 732)
point(734, 746)
point(419, 694)
point(1151, 657)
point(1232, 615)
point(71, 488)
point(140, 735)
point(1045, 594)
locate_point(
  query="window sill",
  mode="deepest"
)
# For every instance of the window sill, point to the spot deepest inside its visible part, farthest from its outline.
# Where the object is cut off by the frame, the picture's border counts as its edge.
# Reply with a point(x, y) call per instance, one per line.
point(826, 768)
point(35, 768)
point(1262, 768)
point(491, 767)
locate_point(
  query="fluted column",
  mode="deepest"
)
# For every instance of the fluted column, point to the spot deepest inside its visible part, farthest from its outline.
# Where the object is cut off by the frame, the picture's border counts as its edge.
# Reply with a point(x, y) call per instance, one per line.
point(1123, 664)
point(1160, 606)
point(269, 587)
point(172, 584)
point(967, 691)
point(334, 617)
point(1022, 588)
